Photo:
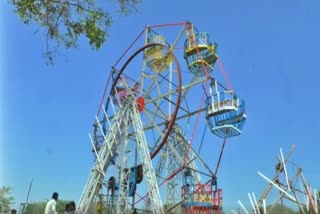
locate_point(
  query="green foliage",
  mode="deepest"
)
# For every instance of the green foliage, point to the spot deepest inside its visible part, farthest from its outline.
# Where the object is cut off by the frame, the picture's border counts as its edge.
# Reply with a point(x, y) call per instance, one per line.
point(64, 21)
point(39, 207)
point(5, 199)
point(277, 209)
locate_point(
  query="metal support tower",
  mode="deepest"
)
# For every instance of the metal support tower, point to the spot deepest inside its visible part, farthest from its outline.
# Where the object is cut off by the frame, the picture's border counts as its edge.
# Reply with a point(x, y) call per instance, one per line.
point(149, 174)
point(110, 145)
point(126, 126)
point(186, 152)
point(172, 157)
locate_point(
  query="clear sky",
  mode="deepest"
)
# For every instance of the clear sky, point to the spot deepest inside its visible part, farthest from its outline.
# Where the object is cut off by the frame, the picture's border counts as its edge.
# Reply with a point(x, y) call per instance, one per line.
point(269, 49)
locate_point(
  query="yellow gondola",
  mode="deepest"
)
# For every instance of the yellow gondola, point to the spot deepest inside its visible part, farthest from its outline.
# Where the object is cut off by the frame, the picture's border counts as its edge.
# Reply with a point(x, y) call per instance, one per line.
point(157, 57)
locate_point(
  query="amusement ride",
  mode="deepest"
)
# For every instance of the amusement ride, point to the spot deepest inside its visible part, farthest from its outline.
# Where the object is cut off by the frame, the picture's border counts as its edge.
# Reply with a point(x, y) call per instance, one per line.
point(287, 188)
point(161, 96)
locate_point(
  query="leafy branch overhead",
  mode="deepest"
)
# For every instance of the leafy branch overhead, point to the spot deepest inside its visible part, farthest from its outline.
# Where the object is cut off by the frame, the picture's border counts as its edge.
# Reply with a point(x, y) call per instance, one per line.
point(64, 21)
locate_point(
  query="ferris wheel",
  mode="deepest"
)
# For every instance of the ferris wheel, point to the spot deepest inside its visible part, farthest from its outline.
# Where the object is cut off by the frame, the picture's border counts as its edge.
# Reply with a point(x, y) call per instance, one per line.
point(161, 91)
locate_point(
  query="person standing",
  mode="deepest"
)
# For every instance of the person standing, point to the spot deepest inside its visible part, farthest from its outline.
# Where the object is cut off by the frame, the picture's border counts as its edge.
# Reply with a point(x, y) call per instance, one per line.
point(51, 205)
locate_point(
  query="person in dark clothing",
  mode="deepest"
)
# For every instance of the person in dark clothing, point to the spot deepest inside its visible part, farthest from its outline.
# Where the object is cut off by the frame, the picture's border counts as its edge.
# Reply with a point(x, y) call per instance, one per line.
point(67, 209)
point(72, 207)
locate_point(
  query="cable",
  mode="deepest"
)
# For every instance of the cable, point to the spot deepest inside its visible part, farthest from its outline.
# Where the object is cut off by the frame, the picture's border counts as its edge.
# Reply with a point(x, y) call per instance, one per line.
point(168, 25)
point(224, 75)
point(105, 89)
point(204, 132)
point(220, 156)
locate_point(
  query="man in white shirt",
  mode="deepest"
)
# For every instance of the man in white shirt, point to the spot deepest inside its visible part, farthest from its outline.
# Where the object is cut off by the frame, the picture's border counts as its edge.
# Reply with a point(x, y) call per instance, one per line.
point(51, 205)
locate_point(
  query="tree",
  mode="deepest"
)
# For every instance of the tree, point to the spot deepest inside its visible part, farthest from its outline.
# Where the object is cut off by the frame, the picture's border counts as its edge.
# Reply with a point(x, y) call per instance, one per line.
point(5, 199)
point(39, 207)
point(64, 21)
point(277, 208)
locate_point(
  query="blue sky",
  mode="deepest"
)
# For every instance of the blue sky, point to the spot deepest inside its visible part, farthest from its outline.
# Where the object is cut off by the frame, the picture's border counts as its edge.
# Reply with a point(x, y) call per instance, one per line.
point(268, 48)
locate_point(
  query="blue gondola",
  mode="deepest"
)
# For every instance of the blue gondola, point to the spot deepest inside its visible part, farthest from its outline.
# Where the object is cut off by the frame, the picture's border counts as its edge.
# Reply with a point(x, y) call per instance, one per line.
point(132, 181)
point(226, 114)
point(135, 178)
point(200, 53)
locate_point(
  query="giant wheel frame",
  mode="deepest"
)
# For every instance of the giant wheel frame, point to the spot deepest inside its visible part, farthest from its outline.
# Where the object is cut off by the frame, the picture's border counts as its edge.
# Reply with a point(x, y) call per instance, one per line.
point(152, 104)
